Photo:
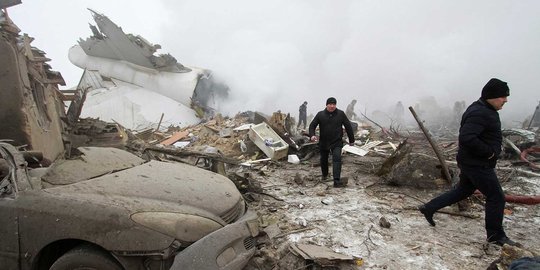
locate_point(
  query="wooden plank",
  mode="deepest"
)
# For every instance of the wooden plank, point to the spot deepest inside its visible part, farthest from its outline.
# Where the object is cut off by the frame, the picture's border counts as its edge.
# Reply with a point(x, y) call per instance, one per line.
point(175, 137)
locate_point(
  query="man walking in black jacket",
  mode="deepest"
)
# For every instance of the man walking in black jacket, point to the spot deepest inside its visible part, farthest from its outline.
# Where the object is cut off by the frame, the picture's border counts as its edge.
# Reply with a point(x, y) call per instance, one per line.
point(331, 122)
point(480, 141)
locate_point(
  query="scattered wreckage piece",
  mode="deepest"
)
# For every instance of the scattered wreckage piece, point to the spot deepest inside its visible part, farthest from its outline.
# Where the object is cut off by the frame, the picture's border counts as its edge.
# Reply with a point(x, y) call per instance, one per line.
point(126, 101)
point(362, 150)
point(307, 150)
point(510, 254)
point(212, 161)
point(438, 153)
point(176, 136)
point(8, 3)
point(250, 163)
point(521, 138)
point(512, 146)
point(526, 152)
point(388, 134)
point(245, 182)
point(383, 222)
point(293, 159)
point(323, 256)
point(355, 150)
point(243, 127)
point(284, 126)
point(272, 145)
point(404, 167)
point(134, 76)
point(94, 132)
point(522, 143)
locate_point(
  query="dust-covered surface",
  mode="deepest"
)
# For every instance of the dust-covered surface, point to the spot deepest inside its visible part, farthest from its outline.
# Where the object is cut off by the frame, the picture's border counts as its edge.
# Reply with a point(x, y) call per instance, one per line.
point(348, 220)
point(374, 218)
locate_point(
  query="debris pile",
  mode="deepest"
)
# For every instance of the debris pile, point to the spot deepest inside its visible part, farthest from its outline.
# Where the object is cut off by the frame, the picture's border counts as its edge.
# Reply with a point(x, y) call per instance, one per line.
point(371, 222)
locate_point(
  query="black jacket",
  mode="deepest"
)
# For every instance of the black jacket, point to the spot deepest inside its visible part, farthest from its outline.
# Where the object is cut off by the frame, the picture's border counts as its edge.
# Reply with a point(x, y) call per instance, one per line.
point(330, 128)
point(302, 110)
point(480, 136)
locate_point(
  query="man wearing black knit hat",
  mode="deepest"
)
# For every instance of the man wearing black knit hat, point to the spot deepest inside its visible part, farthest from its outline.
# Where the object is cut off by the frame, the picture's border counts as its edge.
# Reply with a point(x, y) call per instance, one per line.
point(331, 121)
point(480, 142)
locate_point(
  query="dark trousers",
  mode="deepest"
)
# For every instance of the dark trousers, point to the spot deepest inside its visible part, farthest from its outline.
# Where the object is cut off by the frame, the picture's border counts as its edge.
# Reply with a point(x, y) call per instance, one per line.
point(336, 162)
point(485, 180)
point(302, 119)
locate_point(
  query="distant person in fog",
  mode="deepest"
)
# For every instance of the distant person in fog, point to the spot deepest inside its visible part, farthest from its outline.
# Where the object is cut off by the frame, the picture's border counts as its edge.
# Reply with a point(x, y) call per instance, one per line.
point(302, 115)
point(350, 110)
point(398, 112)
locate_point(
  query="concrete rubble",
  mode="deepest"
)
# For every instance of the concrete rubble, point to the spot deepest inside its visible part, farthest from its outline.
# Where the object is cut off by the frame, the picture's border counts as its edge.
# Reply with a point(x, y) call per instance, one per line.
point(375, 217)
point(377, 209)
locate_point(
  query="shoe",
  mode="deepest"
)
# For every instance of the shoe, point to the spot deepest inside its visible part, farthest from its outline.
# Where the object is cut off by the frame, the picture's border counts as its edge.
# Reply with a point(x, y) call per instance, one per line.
point(427, 214)
point(505, 240)
point(338, 184)
point(324, 178)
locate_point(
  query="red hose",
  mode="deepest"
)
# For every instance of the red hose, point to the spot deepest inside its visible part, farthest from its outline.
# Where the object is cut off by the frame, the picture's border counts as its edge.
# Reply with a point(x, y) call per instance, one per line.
point(531, 200)
point(522, 199)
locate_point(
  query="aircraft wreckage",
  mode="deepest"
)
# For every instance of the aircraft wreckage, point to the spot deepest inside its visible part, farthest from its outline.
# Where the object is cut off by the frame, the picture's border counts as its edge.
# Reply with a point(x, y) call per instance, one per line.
point(124, 81)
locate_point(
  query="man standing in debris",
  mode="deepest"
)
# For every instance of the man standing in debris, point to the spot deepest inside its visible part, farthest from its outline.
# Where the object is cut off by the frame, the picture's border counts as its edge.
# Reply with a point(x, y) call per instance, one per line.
point(350, 110)
point(480, 142)
point(459, 107)
point(331, 122)
point(302, 117)
point(398, 112)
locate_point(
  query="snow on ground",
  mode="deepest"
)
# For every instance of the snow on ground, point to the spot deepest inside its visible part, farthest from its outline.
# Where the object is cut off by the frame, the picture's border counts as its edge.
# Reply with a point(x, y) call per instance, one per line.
point(348, 220)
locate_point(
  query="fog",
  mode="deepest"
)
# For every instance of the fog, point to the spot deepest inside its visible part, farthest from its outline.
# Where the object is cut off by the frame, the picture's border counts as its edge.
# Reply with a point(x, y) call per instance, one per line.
point(276, 54)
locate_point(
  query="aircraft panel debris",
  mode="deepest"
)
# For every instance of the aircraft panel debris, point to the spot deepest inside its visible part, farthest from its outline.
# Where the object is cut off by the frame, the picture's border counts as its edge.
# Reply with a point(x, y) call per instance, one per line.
point(184, 95)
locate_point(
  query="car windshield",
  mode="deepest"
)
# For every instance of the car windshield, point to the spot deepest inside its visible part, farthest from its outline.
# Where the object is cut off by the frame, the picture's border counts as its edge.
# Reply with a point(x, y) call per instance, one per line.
point(93, 162)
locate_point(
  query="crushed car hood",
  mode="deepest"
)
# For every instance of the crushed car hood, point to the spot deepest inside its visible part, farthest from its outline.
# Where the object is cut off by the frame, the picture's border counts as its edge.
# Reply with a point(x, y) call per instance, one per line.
point(159, 186)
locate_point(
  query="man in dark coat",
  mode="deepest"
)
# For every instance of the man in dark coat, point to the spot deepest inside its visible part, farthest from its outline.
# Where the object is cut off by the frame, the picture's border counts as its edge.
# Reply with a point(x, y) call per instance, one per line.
point(302, 115)
point(480, 141)
point(331, 122)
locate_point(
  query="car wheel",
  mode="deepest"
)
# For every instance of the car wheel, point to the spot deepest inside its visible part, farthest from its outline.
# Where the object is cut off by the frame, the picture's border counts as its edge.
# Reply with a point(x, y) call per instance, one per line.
point(86, 258)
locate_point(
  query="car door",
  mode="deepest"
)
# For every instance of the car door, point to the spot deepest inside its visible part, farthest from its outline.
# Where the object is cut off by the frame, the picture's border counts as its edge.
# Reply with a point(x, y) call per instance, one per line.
point(9, 234)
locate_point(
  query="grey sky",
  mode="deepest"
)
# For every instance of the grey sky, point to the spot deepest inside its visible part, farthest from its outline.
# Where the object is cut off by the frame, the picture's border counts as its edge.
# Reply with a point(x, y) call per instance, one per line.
point(276, 54)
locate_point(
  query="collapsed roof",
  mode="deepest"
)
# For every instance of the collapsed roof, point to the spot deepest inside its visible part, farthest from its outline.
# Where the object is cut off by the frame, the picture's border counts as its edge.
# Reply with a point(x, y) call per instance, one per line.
point(30, 105)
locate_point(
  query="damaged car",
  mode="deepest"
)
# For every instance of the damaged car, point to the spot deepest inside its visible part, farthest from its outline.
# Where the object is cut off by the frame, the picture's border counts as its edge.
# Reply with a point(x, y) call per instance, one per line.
point(108, 209)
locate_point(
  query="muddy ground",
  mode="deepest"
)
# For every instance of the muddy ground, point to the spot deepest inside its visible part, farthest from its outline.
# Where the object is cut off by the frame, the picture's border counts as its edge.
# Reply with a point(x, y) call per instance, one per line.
point(347, 220)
